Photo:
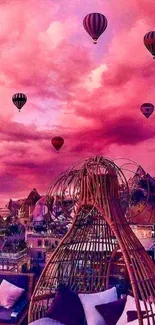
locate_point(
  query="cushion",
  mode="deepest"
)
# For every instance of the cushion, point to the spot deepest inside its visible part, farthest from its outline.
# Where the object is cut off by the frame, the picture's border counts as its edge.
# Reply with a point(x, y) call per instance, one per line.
point(89, 301)
point(66, 308)
point(5, 315)
point(9, 294)
point(45, 321)
point(116, 307)
point(131, 305)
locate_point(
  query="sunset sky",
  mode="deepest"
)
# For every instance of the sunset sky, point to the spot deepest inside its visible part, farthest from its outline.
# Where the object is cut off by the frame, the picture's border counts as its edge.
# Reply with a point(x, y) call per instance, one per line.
point(88, 94)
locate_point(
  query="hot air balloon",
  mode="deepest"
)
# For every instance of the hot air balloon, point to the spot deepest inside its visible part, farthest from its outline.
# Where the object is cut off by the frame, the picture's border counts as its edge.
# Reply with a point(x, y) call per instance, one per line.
point(19, 100)
point(149, 42)
point(57, 143)
point(147, 109)
point(95, 24)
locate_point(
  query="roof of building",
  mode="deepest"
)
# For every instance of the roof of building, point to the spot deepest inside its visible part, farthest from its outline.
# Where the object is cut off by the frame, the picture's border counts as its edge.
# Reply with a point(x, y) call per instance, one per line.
point(33, 197)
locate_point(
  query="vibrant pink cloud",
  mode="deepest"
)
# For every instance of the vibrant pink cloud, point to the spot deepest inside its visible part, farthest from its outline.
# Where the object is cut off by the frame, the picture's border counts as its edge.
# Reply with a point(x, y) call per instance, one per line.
point(88, 94)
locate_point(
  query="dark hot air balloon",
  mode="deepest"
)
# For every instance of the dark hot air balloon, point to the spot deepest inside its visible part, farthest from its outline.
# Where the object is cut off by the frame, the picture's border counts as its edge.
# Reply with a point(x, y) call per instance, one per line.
point(147, 109)
point(95, 24)
point(57, 143)
point(149, 42)
point(19, 100)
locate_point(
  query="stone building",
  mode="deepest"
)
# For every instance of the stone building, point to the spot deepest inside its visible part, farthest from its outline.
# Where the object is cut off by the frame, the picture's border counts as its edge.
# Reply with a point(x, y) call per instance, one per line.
point(39, 244)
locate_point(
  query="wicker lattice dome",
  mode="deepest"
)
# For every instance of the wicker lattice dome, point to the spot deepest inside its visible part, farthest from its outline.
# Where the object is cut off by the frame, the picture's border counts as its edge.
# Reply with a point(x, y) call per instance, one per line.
point(100, 248)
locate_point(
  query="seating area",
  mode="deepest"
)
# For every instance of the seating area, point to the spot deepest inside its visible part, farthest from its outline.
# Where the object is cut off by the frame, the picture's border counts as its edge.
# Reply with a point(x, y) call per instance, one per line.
point(100, 269)
point(102, 308)
point(15, 293)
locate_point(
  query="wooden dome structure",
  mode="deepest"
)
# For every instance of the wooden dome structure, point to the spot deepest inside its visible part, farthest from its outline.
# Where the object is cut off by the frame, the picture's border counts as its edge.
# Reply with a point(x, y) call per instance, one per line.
point(100, 249)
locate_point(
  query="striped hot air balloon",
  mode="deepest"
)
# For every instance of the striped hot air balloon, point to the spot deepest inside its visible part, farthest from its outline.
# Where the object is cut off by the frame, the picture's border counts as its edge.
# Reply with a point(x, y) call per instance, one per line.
point(95, 24)
point(19, 100)
point(147, 109)
point(57, 143)
point(149, 42)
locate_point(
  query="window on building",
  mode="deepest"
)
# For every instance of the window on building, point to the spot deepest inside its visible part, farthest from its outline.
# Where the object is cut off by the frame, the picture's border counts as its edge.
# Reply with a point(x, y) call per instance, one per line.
point(39, 254)
point(46, 243)
point(39, 242)
point(56, 242)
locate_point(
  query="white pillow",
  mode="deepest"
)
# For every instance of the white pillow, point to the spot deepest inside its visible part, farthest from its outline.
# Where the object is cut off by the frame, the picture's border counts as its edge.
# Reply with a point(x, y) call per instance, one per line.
point(45, 321)
point(9, 294)
point(131, 305)
point(89, 301)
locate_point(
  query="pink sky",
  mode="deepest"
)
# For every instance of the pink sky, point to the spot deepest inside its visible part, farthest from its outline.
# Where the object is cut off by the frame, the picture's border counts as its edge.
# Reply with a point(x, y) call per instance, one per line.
point(88, 94)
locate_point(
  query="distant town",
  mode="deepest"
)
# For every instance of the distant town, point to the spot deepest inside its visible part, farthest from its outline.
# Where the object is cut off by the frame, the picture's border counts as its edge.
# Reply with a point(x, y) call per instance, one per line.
point(29, 232)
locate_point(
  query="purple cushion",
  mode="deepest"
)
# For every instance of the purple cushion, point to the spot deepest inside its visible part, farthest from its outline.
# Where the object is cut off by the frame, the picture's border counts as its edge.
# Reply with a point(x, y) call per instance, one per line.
point(5, 314)
point(132, 315)
point(112, 311)
point(66, 308)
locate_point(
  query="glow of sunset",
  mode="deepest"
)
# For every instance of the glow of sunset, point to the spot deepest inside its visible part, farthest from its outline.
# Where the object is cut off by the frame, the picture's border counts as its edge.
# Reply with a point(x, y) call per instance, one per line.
point(88, 94)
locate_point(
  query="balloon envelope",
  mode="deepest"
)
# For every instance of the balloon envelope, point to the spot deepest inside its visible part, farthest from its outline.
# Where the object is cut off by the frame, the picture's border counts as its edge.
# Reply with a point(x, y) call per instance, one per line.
point(149, 42)
point(57, 142)
point(147, 109)
point(95, 24)
point(19, 100)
